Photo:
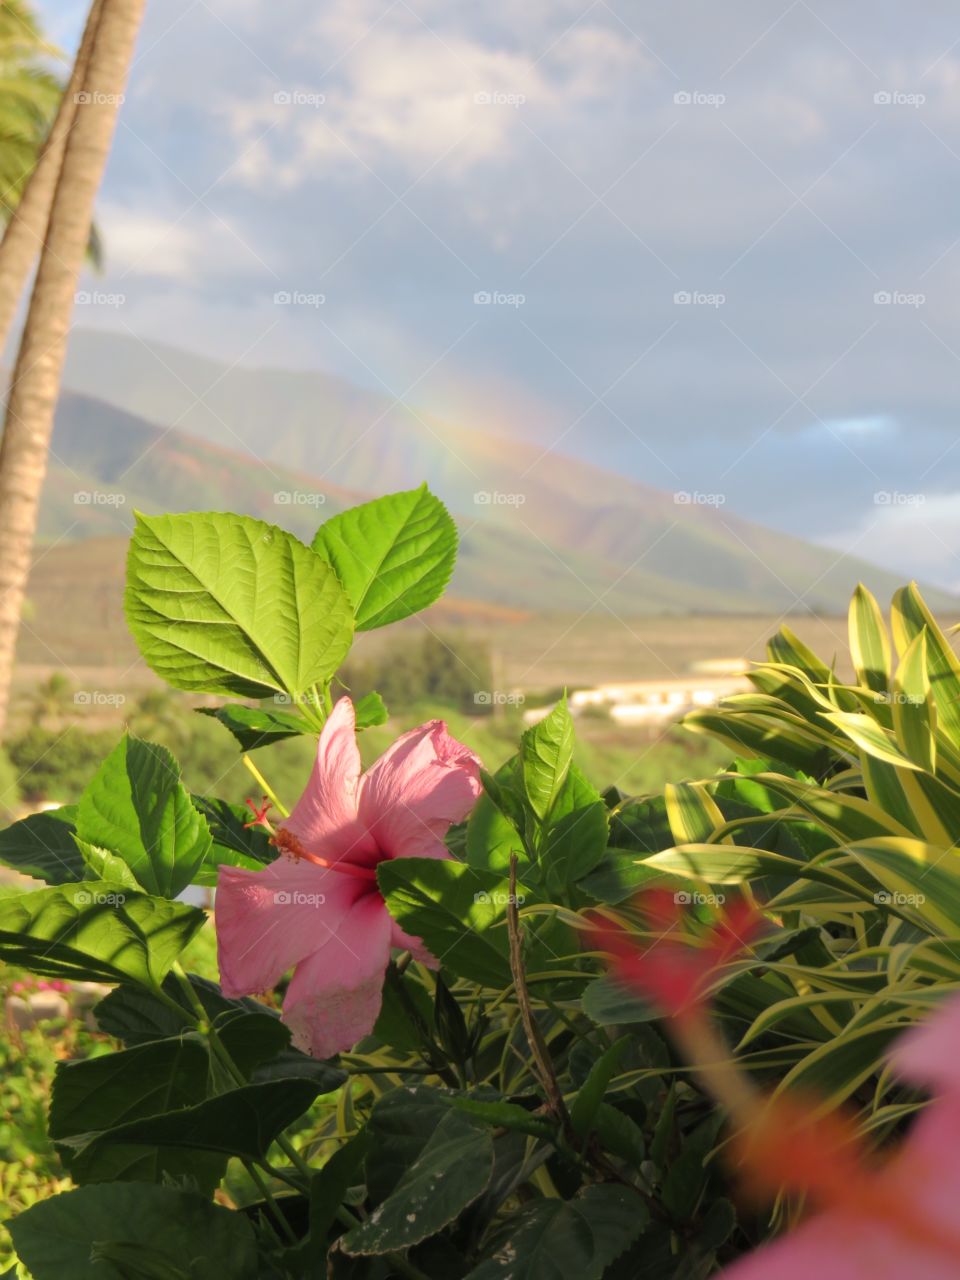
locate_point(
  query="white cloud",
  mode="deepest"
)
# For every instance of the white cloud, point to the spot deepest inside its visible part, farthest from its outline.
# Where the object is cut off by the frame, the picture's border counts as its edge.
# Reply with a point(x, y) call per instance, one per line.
point(916, 534)
point(195, 246)
point(400, 92)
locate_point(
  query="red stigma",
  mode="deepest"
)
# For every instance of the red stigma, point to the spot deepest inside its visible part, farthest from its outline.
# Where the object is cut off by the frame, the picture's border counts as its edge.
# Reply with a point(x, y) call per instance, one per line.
point(259, 818)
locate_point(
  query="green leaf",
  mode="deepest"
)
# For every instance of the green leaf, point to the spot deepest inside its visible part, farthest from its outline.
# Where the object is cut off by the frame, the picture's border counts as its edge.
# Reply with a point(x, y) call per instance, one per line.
point(909, 616)
point(56, 1237)
point(915, 878)
point(457, 910)
point(492, 837)
point(257, 1040)
point(590, 1094)
point(551, 1238)
point(136, 807)
point(101, 864)
point(869, 643)
point(96, 931)
point(100, 1093)
point(370, 710)
point(96, 1093)
point(577, 836)
point(227, 604)
point(619, 875)
point(136, 1016)
point(242, 1122)
point(546, 751)
point(451, 1171)
point(505, 1115)
point(394, 555)
point(43, 846)
point(328, 1189)
point(914, 711)
point(693, 814)
point(870, 737)
point(608, 1004)
point(235, 843)
point(256, 726)
point(399, 1129)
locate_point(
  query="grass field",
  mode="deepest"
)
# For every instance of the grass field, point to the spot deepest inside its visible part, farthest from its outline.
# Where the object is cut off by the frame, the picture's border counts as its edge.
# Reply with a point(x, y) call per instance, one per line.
point(75, 623)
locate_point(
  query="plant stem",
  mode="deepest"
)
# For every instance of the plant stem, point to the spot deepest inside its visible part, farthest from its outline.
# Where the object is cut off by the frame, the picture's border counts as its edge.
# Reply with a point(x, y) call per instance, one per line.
point(269, 1200)
point(543, 1064)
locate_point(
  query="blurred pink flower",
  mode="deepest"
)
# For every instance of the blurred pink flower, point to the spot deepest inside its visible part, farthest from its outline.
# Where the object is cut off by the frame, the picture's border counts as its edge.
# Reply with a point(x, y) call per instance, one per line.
point(318, 908)
point(899, 1221)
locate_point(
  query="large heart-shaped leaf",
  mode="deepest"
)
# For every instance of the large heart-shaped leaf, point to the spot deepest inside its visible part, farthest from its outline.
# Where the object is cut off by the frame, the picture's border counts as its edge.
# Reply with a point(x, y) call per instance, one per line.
point(100, 1093)
point(229, 604)
point(77, 1234)
point(137, 808)
point(243, 1122)
point(394, 555)
point(97, 931)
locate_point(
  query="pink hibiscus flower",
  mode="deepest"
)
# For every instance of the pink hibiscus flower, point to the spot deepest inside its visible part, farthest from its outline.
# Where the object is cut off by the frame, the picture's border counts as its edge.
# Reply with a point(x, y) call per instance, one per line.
point(318, 909)
point(901, 1220)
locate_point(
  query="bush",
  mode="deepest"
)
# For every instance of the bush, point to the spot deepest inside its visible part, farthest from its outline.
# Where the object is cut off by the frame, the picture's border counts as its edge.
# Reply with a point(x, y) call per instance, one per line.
point(554, 1092)
point(57, 764)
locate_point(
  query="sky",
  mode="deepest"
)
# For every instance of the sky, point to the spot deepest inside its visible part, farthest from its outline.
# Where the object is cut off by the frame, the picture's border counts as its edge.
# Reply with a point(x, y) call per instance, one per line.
point(715, 247)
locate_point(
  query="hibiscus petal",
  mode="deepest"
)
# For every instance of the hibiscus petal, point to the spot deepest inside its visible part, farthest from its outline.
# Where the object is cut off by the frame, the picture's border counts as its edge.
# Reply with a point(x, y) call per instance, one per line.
point(834, 1245)
point(928, 1054)
point(267, 921)
point(324, 819)
point(335, 995)
point(421, 785)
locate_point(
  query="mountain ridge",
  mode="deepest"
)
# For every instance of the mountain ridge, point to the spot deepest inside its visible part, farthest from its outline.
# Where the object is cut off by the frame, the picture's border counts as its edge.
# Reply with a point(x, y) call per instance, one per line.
point(539, 530)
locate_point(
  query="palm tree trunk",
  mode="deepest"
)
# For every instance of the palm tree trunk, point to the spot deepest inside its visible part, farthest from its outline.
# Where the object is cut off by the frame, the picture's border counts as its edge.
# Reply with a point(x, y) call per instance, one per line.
point(36, 376)
point(23, 234)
